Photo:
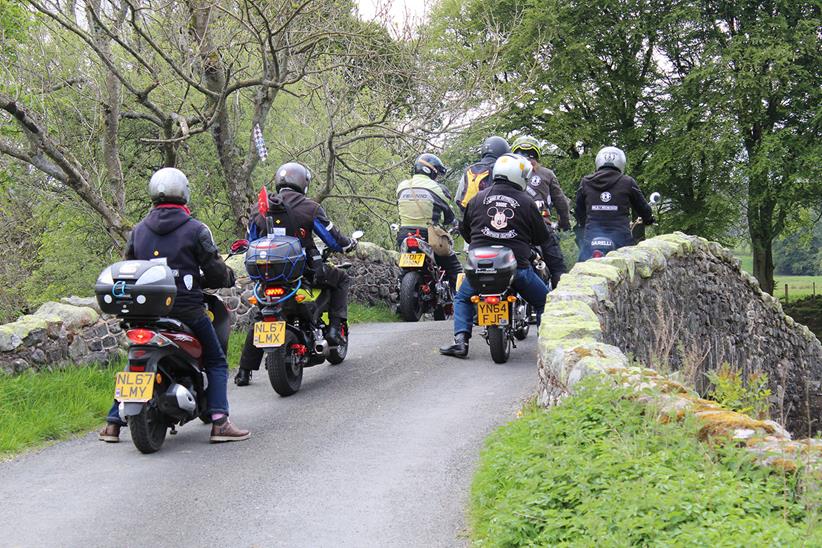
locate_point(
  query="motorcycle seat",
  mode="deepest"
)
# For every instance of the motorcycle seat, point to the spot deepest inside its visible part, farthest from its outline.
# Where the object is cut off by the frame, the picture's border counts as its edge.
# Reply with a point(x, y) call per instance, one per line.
point(173, 324)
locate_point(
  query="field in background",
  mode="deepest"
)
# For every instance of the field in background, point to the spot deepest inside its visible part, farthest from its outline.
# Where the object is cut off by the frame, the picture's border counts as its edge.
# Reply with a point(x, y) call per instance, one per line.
point(798, 286)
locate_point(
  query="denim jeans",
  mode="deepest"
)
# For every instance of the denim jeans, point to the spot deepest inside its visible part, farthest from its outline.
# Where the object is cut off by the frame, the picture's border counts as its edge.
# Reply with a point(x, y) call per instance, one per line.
point(214, 362)
point(526, 282)
point(621, 236)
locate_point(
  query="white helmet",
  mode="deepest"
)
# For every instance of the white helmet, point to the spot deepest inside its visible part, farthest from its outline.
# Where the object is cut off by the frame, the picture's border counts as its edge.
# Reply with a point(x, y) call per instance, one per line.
point(168, 185)
point(611, 157)
point(513, 168)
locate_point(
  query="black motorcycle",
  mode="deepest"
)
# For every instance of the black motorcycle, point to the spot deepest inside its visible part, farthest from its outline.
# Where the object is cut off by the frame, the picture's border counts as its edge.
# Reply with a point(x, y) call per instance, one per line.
point(423, 285)
point(292, 331)
point(164, 381)
point(499, 308)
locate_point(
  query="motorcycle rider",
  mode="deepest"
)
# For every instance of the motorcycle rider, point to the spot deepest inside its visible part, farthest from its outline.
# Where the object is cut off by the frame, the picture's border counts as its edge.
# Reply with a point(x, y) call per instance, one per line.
point(169, 233)
point(605, 199)
point(519, 229)
point(302, 218)
point(422, 202)
point(544, 188)
point(478, 176)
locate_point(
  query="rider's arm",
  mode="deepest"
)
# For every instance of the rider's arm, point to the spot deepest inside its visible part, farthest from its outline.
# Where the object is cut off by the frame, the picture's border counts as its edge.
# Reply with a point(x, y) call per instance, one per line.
point(579, 209)
point(216, 273)
point(640, 205)
point(539, 230)
point(462, 187)
point(560, 203)
point(328, 233)
point(441, 206)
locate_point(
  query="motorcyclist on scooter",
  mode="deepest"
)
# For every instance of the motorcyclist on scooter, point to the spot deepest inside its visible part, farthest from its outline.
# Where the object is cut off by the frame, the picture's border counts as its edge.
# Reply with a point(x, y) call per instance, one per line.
point(604, 202)
point(171, 235)
point(297, 215)
point(478, 176)
point(423, 206)
point(544, 188)
point(502, 214)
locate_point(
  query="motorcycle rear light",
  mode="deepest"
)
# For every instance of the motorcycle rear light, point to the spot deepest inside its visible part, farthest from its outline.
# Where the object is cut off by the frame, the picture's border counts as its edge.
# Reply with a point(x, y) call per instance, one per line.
point(140, 336)
point(136, 367)
point(274, 291)
point(489, 255)
point(412, 242)
point(426, 289)
point(493, 299)
point(598, 254)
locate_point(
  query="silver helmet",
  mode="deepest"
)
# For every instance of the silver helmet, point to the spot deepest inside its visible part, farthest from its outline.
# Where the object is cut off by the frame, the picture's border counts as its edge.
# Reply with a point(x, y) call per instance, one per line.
point(513, 168)
point(168, 185)
point(611, 157)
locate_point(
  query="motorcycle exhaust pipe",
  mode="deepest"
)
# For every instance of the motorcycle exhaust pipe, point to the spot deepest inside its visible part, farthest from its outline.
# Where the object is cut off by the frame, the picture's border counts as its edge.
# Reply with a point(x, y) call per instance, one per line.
point(320, 346)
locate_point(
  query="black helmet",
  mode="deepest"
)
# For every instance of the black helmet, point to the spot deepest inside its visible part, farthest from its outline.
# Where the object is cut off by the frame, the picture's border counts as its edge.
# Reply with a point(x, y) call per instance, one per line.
point(429, 164)
point(494, 147)
point(292, 175)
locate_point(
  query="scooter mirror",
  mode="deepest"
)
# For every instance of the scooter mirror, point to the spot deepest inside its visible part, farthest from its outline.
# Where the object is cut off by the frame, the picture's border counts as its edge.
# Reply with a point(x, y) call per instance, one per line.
point(655, 198)
point(357, 234)
point(239, 246)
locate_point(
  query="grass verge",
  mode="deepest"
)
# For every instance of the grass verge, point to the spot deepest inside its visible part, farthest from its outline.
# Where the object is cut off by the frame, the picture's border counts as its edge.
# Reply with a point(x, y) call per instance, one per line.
point(798, 286)
point(597, 470)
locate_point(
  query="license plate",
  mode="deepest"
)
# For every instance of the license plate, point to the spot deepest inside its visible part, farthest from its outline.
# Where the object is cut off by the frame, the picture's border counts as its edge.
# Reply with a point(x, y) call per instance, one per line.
point(269, 334)
point(133, 387)
point(411, 259)
point(492, 314)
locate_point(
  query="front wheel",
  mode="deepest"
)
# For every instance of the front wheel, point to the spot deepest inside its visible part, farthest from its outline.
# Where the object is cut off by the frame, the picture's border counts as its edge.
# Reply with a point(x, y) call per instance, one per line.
point(337, 354)
point(410, 302)
point(148, 428)
point(285, 367)
point(500, 344)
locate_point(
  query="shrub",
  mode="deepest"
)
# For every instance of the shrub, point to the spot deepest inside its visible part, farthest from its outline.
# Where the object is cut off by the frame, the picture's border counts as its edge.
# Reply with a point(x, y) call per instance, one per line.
point(731, 391)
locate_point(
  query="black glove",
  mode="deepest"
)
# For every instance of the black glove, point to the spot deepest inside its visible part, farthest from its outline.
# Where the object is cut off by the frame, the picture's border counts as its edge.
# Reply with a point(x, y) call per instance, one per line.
point(648, 222)
point(351, 246)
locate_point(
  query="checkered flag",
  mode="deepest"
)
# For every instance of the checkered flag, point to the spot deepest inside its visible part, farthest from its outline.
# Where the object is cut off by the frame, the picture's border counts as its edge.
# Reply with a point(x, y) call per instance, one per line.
point(260, 143)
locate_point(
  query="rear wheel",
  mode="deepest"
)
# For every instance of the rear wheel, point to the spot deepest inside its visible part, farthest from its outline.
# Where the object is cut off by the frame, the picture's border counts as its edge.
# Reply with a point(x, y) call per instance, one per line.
point(337, 354)
point(410, 302)
point(148, 428)
point(285, 367)
point(500, 344)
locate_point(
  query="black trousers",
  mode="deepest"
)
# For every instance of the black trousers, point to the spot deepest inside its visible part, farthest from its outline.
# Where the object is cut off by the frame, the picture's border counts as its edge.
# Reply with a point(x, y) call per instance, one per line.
point(449, 263)
point(554, 261)
point(335, 280)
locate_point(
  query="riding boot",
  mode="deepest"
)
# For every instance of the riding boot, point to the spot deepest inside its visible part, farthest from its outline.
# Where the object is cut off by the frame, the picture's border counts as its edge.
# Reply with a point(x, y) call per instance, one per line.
point(334, 334)
point(555, 280)
point(243, 377)
point(460, 347)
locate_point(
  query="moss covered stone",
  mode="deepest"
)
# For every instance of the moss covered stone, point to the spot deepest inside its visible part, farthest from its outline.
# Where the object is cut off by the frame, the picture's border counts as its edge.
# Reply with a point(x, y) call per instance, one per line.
point(568, 320)
point(73, 317)
point(597, 268)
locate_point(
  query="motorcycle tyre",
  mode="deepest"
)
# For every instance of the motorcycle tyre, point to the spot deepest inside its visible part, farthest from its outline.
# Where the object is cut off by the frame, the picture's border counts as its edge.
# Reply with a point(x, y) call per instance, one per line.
point(148, 429)
point(500, 344)
point(280, 374)
point(337, 354)
point(411, 307)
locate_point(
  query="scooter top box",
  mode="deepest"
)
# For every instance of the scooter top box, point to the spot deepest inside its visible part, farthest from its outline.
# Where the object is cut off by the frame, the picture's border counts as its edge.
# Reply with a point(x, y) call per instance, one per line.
point(490, 269)
point(136, 289)
point(275, 259)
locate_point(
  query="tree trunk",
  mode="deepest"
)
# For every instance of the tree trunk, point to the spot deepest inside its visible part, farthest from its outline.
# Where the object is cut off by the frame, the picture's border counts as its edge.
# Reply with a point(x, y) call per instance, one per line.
point(760, 229)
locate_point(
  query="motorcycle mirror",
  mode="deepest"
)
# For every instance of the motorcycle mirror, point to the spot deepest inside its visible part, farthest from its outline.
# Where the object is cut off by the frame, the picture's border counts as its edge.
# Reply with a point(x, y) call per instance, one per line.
point(395, 227)
point(239, 246)
point(655, 198)
point(357, 234)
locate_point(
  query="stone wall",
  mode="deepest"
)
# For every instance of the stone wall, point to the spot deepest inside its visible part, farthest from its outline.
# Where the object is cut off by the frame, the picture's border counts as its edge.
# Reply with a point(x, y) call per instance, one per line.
point(75, 331)
point(679, 302)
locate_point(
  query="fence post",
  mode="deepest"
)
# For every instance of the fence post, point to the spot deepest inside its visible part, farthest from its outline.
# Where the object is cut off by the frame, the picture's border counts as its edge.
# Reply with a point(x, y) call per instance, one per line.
point(814, 289)
point(786, 293)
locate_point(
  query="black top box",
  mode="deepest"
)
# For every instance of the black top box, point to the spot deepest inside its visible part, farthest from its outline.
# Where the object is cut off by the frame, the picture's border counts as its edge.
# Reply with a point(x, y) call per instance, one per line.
point(275, 259)
point(136, 289)
point(490, 270)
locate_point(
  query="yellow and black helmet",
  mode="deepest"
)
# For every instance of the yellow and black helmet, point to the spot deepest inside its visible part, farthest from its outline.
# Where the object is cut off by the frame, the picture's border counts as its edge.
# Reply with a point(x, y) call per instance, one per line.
point(528, 147)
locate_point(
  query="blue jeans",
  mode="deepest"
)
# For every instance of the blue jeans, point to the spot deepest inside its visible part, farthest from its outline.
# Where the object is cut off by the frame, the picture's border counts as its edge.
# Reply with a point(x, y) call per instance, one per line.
point(526, 283)
point(621, 236)
point(215, 364)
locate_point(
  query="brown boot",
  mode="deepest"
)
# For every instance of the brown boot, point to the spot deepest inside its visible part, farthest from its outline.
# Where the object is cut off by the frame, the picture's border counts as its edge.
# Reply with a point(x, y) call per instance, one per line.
point(110, 434)
point(223, 430)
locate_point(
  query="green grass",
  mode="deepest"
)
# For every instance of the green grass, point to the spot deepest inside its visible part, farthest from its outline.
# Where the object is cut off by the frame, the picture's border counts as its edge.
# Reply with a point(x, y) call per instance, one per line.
point(36, 408)
point(597, 470)
point(360, 313)
point(798, 286)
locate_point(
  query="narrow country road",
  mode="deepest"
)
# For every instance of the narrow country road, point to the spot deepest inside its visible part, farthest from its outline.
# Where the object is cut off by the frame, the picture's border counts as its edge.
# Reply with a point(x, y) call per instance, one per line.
point(378, 451)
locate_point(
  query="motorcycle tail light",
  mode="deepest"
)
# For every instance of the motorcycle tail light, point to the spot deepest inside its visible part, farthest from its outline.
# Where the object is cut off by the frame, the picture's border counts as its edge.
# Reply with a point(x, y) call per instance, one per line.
point(493, 299)
point(138, 368)
point(274, 291)
point(598, 254)
point(412, 242)
point(426, 289)
point(140, 336)
point(488, 255)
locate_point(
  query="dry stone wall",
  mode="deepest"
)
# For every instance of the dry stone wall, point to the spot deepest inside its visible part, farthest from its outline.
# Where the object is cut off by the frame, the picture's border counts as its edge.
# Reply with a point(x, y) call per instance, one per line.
point(682, 302)
point(75, 331)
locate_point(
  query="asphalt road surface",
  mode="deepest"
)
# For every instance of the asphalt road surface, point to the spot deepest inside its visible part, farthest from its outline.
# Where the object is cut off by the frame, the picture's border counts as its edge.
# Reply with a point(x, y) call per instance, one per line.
point(378, 451)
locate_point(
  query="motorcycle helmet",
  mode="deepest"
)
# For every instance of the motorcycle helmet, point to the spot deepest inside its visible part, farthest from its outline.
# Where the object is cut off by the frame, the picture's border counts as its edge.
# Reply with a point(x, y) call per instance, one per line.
point(168, 185)
point(494, 147)
point(430, 165)
point(513, 168)
point(611, 157)
point(293, 175)
point(528, 147)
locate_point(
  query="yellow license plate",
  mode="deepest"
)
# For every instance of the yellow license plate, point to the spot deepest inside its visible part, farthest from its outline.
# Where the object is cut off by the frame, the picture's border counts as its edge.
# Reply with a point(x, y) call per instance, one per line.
point(133, 387)
point(492, 314)
point(269, 334)
point(411, 259)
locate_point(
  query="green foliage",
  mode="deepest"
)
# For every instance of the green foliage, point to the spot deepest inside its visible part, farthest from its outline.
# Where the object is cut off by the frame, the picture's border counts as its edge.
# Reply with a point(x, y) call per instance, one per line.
point(800, 254)
point(743, 396)
point(597, 470)
point(49, 406)
point(807, 311)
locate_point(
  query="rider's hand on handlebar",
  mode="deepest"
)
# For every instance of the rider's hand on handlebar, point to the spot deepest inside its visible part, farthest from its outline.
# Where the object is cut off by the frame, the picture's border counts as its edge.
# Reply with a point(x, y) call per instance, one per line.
point(351, 247)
